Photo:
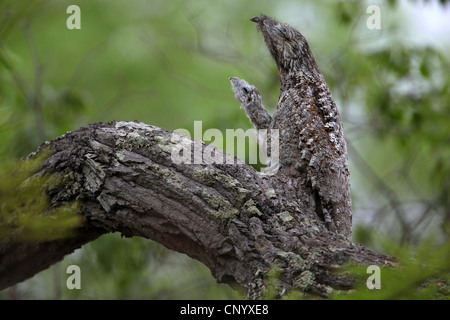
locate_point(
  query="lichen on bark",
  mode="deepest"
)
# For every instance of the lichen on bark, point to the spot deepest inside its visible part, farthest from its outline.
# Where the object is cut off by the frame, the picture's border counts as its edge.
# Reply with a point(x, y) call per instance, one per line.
point(239, 223)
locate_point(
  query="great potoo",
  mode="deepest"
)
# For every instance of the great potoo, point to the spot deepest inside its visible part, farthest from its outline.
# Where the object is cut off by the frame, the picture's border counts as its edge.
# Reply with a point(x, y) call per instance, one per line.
point(311, 135)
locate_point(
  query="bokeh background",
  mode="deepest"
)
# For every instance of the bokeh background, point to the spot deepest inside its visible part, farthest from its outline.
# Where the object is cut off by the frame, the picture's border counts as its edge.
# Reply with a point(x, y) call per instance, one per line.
point(168, 63)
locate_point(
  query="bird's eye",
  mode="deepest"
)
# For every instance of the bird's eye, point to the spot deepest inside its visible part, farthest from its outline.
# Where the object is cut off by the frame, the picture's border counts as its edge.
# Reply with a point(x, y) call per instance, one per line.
point(245, 90)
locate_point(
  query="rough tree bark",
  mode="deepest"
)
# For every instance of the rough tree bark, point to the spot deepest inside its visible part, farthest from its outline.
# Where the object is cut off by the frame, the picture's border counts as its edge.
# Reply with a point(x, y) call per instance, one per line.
point(239, 223)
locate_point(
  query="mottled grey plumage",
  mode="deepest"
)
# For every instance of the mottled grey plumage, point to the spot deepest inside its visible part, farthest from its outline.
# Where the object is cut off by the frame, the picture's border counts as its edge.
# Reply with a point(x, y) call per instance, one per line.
point(250, 100)
point(310, 129)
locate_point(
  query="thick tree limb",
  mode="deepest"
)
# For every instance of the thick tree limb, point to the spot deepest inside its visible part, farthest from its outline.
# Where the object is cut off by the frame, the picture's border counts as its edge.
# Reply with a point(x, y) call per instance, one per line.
point(237, 222)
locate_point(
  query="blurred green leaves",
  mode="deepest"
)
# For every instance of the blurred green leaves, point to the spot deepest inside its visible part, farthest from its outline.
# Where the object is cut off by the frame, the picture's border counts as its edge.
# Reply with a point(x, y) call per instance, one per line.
point(25, 212)
point(167, 63)
point(422, 273)
point(407, 101)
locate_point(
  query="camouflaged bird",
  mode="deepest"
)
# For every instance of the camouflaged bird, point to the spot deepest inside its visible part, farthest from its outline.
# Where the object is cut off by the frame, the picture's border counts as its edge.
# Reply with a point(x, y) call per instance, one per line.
point(311, 135)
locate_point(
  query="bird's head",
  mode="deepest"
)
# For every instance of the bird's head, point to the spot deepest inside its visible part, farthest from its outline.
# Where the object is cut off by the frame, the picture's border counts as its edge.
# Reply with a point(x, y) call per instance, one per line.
point(288, 46)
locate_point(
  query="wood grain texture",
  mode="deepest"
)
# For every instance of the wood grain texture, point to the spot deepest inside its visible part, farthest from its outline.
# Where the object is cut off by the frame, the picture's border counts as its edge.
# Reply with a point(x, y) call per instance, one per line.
point(240, 224)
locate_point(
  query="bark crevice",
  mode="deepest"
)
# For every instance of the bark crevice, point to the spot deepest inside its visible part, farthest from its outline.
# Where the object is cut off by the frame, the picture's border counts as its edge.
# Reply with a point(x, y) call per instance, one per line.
point(239, 223)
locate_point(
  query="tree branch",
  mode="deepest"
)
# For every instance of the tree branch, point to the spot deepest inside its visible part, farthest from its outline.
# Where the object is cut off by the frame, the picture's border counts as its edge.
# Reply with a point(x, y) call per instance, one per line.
point(239, 223)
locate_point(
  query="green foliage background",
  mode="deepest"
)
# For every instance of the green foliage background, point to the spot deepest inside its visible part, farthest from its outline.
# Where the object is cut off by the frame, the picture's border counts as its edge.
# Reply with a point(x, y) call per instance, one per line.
point(167, 63)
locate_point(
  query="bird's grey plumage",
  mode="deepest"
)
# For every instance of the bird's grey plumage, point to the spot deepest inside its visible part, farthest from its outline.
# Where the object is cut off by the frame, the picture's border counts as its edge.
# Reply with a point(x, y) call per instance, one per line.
point(310, 128)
